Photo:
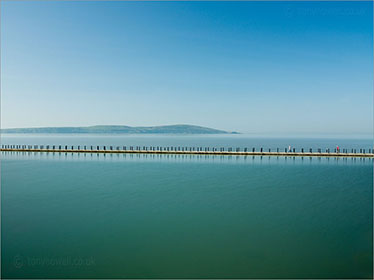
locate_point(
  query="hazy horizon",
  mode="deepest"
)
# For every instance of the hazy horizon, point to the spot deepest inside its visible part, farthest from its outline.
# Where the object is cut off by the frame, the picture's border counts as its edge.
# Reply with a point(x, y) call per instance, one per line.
point(253, 134)
point(278, 68)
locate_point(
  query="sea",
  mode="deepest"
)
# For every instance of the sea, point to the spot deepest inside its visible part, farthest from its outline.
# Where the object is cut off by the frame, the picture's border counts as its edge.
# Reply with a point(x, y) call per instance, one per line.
point(66, 215)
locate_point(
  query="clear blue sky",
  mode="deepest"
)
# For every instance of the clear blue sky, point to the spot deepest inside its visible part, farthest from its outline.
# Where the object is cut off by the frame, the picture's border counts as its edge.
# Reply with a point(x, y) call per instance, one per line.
point(271, 67)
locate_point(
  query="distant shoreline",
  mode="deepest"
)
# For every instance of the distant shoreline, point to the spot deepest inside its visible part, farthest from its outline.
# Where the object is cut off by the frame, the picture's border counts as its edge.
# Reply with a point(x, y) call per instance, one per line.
point(182, 129)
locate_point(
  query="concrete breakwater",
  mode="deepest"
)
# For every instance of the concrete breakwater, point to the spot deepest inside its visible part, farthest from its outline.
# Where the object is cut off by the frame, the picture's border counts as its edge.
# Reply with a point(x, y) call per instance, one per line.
point(190, 150)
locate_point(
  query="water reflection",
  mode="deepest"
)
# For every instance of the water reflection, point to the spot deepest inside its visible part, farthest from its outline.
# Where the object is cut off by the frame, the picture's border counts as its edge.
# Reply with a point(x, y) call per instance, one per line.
point(226, 159)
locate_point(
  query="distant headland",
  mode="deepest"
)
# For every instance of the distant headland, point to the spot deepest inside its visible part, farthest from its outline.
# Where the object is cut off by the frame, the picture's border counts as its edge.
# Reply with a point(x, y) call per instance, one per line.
point(122, 129)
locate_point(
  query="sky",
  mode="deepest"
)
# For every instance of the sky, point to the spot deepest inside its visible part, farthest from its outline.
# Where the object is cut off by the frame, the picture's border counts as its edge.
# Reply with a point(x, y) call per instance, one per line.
point(253, 67)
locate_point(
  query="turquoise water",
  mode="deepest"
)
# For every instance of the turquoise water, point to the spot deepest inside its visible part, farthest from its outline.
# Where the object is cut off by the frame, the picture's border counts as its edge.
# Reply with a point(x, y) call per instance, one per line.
point(179, 216)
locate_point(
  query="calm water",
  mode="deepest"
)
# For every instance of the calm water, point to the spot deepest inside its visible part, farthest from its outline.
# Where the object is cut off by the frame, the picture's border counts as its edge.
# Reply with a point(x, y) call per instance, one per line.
point(178, 216)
